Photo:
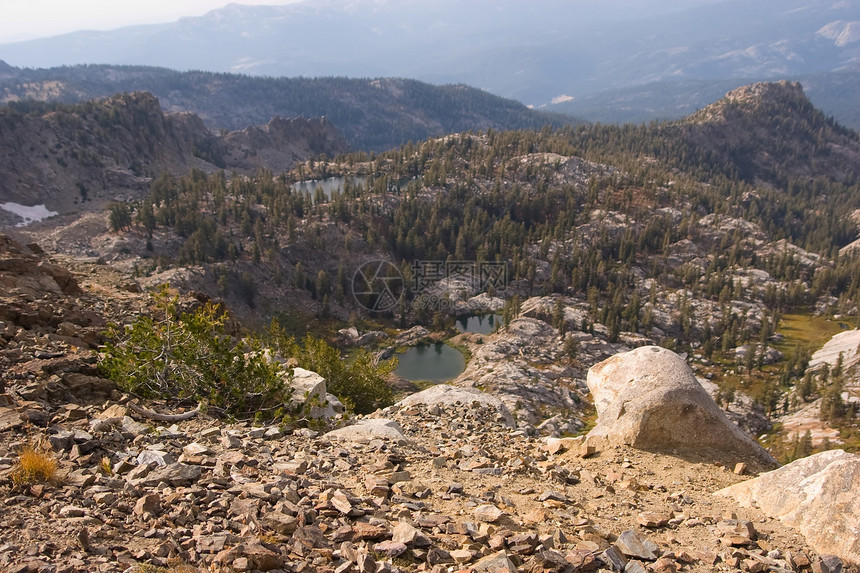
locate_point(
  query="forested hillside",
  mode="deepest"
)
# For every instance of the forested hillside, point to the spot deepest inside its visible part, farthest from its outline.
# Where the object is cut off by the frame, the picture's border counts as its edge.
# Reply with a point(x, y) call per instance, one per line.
point(704, 235)
point(71, 156)
point(372, 114)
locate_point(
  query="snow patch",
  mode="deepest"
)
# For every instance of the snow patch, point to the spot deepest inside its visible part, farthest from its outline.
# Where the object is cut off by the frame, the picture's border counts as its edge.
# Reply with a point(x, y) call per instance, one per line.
point(561, 99)
point(29, 214)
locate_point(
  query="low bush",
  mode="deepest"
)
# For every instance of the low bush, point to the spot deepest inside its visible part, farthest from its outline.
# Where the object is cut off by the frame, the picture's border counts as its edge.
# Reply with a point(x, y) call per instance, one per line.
point(191, 356)
point(359, 381)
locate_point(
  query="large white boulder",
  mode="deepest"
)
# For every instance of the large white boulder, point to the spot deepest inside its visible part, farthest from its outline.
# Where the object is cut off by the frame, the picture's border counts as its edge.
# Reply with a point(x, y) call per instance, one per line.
point(650, 399)
point(817, 496)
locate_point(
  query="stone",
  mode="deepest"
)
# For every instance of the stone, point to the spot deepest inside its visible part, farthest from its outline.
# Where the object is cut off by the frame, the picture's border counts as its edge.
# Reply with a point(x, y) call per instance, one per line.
point(252, 555)
point(577, 445)
point(72, 511)
point(736, 532)
point(652, 519)
point(614, 559)
point(664, 565)
point(148, 505)
point(391, 548)
point(195, 449)
point(155, 457)
point(649, 399)
point(487, 513)
point(279, 522)
point(631, 544)
point(367, 531)
point(816, 495)
point(366, 563)
point(214, 543)
point(462, 556)
point(797, 560)
point(364, 431)
point(404, 533)
point(105, 498)
point(341, 502)
point(10, 419)
point(310, 388)
point(437, 556)
point(176, 474)
point(62, 440)
point(447, 395)
point(830, 564)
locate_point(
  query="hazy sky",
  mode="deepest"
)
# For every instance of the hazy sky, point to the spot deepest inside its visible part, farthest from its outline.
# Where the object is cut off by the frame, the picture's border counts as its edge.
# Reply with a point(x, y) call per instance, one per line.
point(26, 19)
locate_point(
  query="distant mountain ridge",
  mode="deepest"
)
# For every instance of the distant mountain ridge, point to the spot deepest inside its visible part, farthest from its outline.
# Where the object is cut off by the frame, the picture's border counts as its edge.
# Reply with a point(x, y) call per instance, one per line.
point(832, 92)
point(534, 52)
point(371, 114)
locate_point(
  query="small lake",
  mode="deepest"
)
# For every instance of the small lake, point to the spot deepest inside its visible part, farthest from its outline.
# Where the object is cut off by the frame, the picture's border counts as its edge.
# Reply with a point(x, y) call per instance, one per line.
point(431, 363)
point(480, 323)
point(327, 185)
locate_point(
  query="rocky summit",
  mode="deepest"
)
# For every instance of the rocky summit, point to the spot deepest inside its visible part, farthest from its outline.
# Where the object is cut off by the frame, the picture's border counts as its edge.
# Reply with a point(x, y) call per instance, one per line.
point(441, 481)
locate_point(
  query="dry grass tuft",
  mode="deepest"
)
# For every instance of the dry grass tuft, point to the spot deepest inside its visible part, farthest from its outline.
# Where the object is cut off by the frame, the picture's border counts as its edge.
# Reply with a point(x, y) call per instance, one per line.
point(105, 466)
point(34, 467)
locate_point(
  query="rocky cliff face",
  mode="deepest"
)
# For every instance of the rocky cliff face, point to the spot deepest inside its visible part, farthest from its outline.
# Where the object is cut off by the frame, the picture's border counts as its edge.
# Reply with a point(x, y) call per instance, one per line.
point(281, 143)
point(73, 158)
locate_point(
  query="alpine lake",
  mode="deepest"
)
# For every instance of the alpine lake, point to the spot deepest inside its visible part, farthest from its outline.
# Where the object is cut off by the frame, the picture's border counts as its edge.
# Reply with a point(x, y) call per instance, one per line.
point(440, 362)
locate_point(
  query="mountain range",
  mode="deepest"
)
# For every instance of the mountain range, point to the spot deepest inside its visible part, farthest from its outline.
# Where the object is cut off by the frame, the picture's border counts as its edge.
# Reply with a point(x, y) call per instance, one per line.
point(372, 115)
point(549, 53)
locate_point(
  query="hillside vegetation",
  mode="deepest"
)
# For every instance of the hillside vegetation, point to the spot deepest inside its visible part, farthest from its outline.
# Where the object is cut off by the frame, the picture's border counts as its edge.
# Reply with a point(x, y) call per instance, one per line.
point(372, 114)
point(71, 155)
point(698, 235)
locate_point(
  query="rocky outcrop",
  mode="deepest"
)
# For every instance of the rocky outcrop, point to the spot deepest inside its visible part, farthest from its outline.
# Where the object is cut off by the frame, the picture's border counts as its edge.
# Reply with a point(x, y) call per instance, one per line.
point(841, 348)
point(69, 158)
point(521, 366)
point(815, 495)
point(446, 395)
point(282, 143)
point(25, 273)
point(650, 399)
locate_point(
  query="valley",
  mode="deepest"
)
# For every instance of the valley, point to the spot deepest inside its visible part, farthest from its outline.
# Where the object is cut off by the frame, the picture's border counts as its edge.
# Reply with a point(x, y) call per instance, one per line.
point(727, 238)
point(606, 238)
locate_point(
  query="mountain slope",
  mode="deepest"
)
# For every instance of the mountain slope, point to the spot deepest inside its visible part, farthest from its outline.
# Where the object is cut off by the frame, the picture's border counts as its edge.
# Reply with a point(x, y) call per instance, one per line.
point(371, 114)
point(65, 155)
point(831, 92)
point(607, 238)
point(772, 131)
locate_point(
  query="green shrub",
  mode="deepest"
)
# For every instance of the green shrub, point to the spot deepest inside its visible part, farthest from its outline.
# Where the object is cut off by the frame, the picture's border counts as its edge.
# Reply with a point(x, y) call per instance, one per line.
point(191, 356)
point(360, 382)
